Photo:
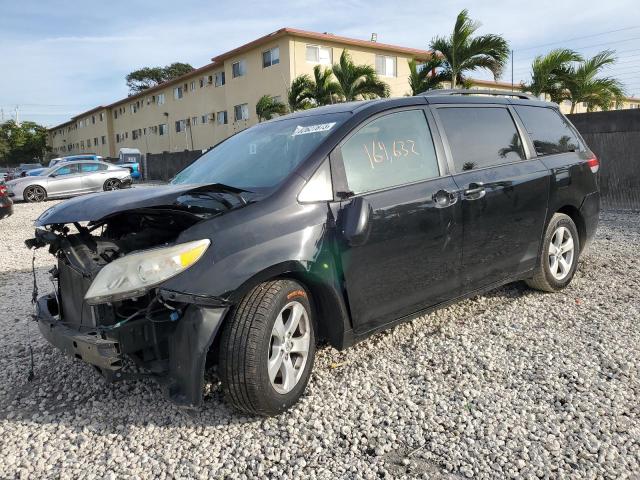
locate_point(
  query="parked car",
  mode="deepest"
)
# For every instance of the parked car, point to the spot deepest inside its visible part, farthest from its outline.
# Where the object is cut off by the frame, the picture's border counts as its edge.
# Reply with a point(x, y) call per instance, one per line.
point(68, 180)
point(73, 158)
point(130, 158)
point(327, 225)
point(6, 205)
point(22, 170)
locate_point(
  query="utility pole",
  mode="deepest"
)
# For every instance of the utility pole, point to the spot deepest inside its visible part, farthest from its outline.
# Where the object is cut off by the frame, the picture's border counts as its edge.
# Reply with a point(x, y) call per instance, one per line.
point(512, 70)
point(17, 117)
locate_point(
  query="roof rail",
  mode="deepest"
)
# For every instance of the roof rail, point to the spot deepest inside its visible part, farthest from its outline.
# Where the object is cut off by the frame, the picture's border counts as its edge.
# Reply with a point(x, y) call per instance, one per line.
point(464, 91)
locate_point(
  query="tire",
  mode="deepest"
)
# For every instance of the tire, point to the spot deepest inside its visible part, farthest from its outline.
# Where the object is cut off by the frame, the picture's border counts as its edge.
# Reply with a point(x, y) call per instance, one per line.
point(250, 343)
point(34, 194)
point(553, 274)
point(112, 184)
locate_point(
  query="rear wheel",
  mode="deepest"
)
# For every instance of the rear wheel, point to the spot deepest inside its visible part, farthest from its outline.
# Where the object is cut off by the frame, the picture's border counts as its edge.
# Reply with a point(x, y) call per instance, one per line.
point(112, 184)
point(35, 193)
point(559, 259)
point(267, 349)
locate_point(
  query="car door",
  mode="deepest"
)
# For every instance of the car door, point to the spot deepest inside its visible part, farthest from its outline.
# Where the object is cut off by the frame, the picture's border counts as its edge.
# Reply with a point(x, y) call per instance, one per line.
point(66, 180)
point(410, 258)
point(504, 191)
point(94, 175)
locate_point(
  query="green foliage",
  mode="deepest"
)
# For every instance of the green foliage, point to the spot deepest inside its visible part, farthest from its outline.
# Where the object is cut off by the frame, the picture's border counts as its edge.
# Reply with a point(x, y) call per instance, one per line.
point(324, 90)
point(357, 82)
point(22, 143)
point(423, 79)
point(583, 83)
point(300, 94)
point(461, 52)
point(147, 77)
point(549, 71)
point(268, 106)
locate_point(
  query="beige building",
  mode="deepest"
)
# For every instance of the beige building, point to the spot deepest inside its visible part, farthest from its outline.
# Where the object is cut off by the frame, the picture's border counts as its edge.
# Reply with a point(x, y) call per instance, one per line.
point(205, 106)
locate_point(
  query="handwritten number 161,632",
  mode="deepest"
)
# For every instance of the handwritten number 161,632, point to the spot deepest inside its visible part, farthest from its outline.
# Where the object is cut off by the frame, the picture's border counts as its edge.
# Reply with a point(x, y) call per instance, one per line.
point(379, 153)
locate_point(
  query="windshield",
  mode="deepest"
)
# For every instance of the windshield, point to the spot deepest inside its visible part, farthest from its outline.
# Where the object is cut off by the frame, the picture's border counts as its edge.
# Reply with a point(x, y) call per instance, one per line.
point(262, 156)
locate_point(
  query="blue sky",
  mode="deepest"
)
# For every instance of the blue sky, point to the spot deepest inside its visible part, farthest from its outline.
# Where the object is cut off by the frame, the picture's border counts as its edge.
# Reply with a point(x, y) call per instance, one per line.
point(62, 57)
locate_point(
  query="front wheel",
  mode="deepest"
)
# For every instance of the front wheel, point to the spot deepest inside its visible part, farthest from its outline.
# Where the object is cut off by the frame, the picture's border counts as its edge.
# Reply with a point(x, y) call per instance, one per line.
point(35, 194)
point(267, 349)
point(559, 259)
point(112, 184)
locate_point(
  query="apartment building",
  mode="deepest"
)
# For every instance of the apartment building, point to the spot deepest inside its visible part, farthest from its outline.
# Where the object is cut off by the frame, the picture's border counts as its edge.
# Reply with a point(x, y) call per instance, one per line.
point(203, 107)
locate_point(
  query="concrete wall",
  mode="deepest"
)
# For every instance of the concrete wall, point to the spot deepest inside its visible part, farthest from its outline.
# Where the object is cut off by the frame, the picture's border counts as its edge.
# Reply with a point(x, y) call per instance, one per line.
point(615, 138)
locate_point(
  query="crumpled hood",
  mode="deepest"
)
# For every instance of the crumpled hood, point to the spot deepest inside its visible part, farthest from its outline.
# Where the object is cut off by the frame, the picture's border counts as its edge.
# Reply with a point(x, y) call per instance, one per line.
point(90, 208)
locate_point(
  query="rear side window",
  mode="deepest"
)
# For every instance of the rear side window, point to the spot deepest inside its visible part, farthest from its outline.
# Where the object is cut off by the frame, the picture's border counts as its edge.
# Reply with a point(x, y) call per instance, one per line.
point(92, 167)
point(67, 170)
point(549, 131)
point(390, 151)
point(481, 137)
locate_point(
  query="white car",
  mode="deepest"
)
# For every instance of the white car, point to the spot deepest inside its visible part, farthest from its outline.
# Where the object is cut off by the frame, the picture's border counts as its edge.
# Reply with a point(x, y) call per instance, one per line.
point(69, 179)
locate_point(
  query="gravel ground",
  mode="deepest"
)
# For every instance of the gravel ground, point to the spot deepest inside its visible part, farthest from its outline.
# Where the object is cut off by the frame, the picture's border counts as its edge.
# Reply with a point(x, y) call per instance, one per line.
point(513, 384)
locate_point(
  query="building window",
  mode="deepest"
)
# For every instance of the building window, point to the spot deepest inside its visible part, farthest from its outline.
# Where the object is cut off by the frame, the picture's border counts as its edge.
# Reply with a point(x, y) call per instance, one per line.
point(203, 118)
point(386, 65)
point(222, 118)
point(104, 140)
point(239, 68)
point(177, 93)
point(192, 85)
point(318, 54)
point(162, 129)
point(271, 57)
point(95, 142)
point(101, 116)
point(93, 119)
point(134, 134)
point(181, 126)
point(203, 80)
point(160, 99)
point(219, 79)
point(194, 121)
point(241, 112)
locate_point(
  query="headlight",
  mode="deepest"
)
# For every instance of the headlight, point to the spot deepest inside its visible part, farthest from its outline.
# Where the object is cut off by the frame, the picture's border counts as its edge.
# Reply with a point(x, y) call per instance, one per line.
point(133, 275)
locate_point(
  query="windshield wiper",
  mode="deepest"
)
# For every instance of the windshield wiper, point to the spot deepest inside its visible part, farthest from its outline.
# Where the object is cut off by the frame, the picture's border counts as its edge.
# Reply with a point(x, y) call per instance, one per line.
point(222, 188)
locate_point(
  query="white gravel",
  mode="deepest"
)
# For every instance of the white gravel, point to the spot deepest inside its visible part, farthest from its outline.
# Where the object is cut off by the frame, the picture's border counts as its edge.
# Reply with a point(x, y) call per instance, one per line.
point(514, 384)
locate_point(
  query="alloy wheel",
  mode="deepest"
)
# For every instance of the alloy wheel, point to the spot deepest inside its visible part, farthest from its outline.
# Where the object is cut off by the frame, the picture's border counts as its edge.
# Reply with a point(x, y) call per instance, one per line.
point(112, 185)
point(561, 253)
point(35, 194)
point(289, 347)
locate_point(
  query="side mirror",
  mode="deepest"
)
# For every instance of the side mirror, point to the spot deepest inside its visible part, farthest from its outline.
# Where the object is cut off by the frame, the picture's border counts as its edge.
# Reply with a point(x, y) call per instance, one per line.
point(53, 175)
point(357, 221)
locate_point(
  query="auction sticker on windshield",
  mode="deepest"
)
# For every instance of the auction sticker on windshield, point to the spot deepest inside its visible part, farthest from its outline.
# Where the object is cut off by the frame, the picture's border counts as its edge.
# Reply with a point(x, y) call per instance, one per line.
point(321, 127)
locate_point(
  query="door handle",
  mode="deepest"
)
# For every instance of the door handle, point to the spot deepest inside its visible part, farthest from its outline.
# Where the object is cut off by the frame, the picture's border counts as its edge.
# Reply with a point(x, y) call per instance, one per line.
point(474, 191)
point(443, 198)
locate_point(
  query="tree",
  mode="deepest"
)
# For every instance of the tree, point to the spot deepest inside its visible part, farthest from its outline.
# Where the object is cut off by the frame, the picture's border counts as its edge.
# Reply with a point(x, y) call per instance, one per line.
point(300, 93)
point(147, 77)
point(462, 52)
point(582, 82)
point(548, 73)
point(323, 88)
point(21, 143)
point(357, 81)
point(268, 106)
point(423, 76)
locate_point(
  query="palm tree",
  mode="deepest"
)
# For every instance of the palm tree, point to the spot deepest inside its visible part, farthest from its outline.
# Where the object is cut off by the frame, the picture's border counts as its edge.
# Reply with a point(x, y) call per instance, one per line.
point(357, 81)
point(323, 88)
point(462, 52)
point(300, 93)
point(421, 78)
point(548, 72)
point(268, 106)
point(582, 83)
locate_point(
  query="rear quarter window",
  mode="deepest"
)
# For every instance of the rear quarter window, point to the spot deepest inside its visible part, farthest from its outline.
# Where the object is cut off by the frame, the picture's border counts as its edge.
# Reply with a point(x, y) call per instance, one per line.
point(549, 132)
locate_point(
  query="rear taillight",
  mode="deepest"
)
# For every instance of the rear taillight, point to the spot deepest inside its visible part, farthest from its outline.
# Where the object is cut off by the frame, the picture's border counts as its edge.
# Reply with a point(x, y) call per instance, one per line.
point(3, 190)
point(594, 163)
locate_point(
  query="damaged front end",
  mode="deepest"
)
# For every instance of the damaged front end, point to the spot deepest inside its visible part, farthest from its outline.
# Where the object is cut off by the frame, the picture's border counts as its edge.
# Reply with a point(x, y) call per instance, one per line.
point(108, 308)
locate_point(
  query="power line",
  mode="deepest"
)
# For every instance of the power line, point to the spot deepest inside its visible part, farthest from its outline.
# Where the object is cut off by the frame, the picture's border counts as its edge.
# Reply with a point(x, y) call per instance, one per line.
point(576, 38)
point(593, 46)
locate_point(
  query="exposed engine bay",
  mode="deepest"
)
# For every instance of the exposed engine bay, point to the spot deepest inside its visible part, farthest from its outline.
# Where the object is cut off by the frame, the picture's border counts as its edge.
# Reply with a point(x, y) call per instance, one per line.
point(138, 332)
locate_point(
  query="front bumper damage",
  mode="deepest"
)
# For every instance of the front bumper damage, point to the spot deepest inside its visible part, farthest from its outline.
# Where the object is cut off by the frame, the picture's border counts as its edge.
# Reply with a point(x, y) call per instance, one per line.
point(185, 342)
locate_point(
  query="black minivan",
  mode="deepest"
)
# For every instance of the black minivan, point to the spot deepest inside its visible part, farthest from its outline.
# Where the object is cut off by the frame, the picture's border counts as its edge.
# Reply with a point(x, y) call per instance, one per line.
point(325, 225)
